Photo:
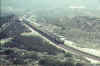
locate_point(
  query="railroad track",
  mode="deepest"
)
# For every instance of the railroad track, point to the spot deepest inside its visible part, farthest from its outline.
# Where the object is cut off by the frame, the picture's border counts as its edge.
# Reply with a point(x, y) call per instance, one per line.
point(73, 50)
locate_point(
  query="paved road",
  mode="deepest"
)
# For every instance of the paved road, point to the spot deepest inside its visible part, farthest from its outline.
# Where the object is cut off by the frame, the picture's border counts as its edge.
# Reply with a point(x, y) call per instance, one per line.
point(73, 50)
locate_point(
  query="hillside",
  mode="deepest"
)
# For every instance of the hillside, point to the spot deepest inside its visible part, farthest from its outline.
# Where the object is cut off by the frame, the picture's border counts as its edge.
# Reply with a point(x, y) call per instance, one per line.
point(19, 45)
point(83, 30)
point(49, 32)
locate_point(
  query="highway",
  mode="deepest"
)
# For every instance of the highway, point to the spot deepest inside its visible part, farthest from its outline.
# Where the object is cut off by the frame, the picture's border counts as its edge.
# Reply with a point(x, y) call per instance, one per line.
point(69, 48)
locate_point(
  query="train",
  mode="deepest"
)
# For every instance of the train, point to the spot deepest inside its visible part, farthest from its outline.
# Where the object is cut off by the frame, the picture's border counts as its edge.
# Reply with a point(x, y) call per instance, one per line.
point(54, 38)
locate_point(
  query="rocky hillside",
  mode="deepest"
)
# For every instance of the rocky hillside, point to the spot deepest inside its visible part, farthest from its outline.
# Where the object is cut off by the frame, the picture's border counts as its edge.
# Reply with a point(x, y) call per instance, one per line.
point(84, 30)
point(19, 45)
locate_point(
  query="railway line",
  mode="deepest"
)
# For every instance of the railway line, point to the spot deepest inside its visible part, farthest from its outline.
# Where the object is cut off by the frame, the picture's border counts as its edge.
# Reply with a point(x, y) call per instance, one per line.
point(60, 44)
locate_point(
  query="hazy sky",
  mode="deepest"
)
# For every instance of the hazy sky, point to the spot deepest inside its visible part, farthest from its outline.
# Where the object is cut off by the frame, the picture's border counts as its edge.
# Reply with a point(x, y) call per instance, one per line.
point(36, 4)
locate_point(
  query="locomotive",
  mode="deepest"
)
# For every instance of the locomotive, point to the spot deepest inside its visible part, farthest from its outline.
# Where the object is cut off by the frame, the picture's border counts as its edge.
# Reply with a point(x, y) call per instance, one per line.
point(56, 38)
